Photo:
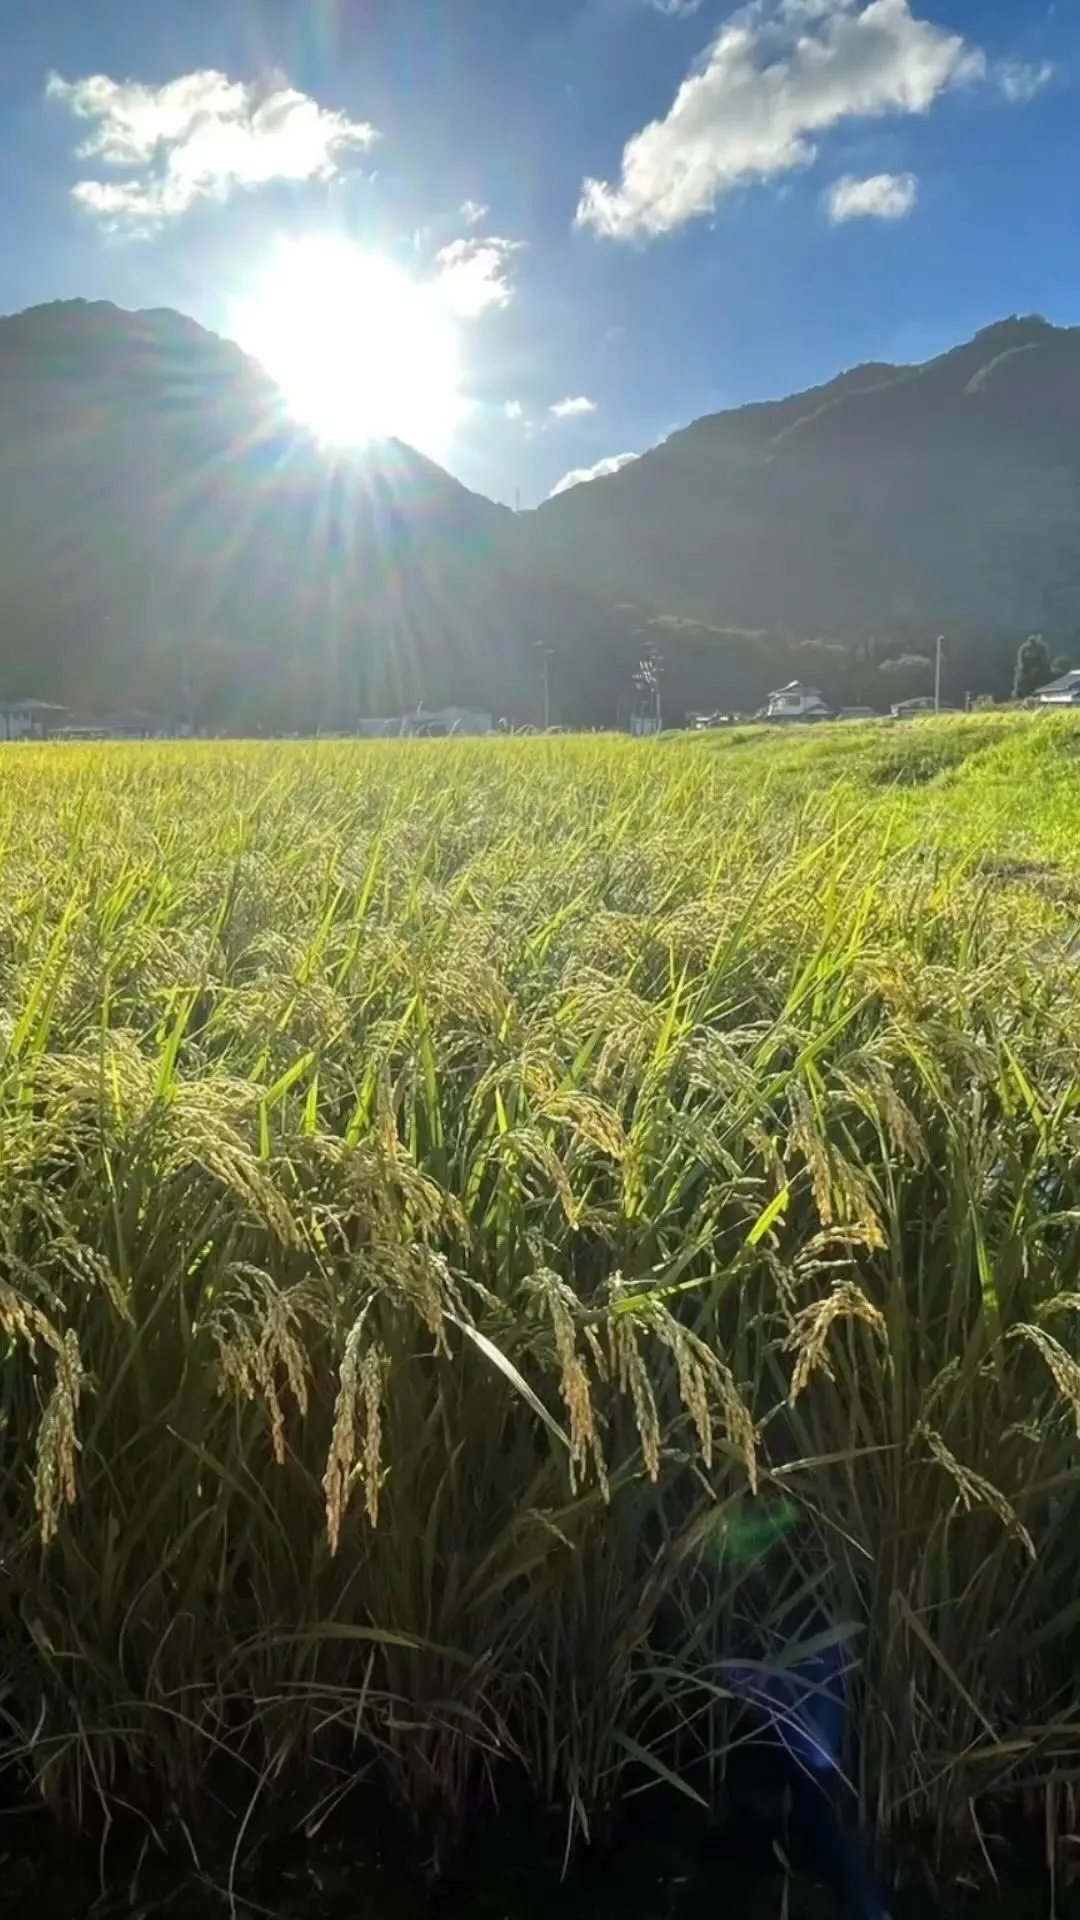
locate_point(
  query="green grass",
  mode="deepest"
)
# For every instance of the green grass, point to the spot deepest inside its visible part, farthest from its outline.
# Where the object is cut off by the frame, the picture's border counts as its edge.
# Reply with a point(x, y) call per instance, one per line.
point(450, 1192)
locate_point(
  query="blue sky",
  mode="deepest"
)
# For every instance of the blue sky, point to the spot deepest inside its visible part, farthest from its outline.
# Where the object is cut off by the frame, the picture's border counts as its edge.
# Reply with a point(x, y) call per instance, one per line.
point(651, 208)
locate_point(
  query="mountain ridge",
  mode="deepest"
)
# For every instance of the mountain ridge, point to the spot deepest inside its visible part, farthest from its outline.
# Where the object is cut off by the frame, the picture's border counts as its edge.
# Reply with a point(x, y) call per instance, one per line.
point(170, 537)
point(946, 491)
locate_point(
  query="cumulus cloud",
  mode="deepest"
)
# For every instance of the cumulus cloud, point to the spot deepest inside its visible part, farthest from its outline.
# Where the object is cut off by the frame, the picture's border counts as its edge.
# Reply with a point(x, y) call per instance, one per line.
point(675, 9)
point(579, 476)
point(473, 211)
point(778, 74)
point(199, 137)
point(884, 196)
point(474, 275)
point(514, 410)
point(572, 409)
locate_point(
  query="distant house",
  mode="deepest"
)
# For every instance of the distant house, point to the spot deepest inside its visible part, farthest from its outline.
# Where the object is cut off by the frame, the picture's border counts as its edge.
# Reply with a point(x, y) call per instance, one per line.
point(132, 724)
point(797, 702)
point(457, 720)
point(1060, 693)
point(30, 719)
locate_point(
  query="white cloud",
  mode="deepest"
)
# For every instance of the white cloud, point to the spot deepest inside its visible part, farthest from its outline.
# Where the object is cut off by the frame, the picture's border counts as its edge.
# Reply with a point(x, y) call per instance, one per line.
point(473, 275)
point(1020, 83)
point(778, 73)
point(514, 410)
point(675, 9)
point(581, 475)
point(199, 137)
point(571, 409)
point(473, 211)
point(885, 196)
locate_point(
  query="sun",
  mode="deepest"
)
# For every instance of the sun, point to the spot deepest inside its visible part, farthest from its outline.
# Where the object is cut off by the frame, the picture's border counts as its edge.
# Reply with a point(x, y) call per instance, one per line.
point(359, 349)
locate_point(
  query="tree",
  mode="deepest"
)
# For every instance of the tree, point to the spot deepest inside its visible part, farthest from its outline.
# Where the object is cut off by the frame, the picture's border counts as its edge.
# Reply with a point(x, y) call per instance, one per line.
point(1033, 668)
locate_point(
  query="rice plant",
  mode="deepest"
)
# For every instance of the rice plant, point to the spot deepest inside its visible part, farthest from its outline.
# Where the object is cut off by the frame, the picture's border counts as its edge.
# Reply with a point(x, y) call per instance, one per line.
point(453, 1195)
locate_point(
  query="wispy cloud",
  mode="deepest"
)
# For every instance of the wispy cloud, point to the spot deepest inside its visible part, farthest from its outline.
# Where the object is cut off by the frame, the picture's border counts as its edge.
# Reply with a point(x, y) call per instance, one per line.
point(514, 410)
point(779, 74)
point(570, 409)
point(473, 211)
point(675, 9)
point(474, 275)
point(199, 137)
point(884, 196)
point(580, 476)
point(1020, 82)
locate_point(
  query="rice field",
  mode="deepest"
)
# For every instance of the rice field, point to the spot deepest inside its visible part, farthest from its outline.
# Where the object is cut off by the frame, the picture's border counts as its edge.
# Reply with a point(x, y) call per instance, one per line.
point(494, 1233)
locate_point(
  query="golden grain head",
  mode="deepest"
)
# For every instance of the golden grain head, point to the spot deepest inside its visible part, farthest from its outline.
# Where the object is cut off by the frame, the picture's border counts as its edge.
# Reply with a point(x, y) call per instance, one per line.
point(809, 1336)
point(58, 1439)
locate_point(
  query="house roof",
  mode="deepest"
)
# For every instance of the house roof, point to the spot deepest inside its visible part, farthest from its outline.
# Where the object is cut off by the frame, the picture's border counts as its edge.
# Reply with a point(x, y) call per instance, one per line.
point(796, 687)
point(30, 706)
point(1066, 684)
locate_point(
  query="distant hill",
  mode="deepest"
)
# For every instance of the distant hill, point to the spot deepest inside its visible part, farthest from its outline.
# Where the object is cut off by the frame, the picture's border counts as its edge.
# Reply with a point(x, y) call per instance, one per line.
point(945, 495)
point(169, 539)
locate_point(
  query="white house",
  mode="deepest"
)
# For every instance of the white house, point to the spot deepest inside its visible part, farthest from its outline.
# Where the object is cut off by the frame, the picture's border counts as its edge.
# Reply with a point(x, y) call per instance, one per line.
point(1061, 693)
point(797, 702)
point(30, 719)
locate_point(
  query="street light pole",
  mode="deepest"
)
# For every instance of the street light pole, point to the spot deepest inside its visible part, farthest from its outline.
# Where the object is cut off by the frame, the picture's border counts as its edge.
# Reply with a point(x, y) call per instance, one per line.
point(937, 673)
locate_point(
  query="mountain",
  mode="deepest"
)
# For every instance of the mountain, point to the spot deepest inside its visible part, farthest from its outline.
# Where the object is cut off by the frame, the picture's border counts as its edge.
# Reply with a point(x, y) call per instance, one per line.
point(894, 500)
point(170, 539)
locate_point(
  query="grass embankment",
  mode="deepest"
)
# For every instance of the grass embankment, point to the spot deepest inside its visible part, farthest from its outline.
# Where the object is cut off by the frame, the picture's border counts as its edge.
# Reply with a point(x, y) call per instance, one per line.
point(449, 1192)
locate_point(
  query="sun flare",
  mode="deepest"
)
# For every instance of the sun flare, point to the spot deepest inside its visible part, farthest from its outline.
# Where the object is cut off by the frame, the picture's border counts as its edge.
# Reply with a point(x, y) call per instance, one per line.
point(359, 349)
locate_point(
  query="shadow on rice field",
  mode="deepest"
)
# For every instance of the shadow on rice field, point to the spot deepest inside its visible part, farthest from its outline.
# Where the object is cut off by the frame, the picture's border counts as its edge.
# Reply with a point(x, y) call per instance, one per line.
point(657, 1862)
point(500, 1240)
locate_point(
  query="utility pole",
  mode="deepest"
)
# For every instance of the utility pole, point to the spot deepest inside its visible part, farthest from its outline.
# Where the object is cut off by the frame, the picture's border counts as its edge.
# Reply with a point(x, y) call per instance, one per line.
point(937, 673)
point(544, 651)
point(647, 681)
